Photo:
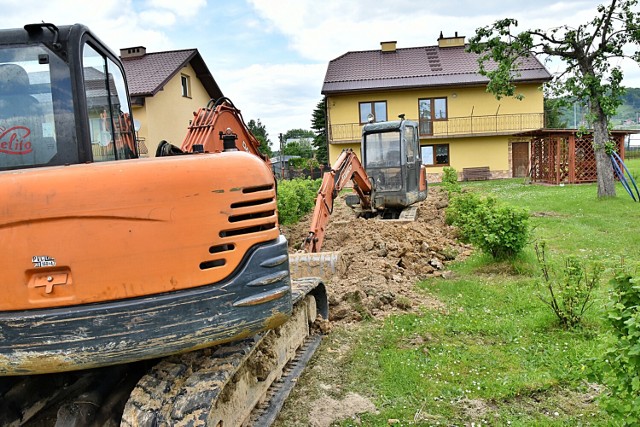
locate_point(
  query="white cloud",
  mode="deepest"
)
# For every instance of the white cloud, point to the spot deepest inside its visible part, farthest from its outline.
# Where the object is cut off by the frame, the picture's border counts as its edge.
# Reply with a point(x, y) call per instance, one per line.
point(183, 8)
point(116, 22)
point(323, 33)
point(282, 96)
point(157, 17)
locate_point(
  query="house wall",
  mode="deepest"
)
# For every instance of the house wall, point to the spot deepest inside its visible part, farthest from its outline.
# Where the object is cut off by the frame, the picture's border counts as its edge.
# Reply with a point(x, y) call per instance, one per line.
point(167, 114)
point(461, 102)
point(336, 149)
point(492, 151)
point(470, 151)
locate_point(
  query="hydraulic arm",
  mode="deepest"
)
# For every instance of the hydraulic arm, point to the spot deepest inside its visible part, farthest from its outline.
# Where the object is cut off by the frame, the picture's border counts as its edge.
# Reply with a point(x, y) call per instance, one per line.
point(346, 168)
point(216, 128)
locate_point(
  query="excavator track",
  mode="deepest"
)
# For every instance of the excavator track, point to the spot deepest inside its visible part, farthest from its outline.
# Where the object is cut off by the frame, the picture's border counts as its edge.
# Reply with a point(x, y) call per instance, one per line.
point(221, 386)
point(218, 386)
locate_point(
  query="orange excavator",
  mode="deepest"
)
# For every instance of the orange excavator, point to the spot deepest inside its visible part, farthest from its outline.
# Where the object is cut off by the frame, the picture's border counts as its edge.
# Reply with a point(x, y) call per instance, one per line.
point(121, 277)
point(387, 183)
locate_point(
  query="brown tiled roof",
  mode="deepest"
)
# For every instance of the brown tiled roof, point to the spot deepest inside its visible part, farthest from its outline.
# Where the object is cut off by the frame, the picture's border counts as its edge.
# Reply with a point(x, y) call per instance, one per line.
point(147, 74)
point(415, 67)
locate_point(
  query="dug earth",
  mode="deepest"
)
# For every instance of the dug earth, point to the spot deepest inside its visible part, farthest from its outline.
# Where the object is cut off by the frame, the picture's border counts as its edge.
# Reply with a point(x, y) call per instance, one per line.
point(381, 260)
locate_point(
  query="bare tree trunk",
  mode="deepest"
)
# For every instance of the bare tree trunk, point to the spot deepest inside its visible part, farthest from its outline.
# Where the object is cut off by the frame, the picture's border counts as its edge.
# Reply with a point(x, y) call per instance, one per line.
point(606, 182)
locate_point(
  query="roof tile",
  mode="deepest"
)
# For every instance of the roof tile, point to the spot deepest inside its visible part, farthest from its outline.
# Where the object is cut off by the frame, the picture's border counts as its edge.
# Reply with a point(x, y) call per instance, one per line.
point(147, 74)
point(427, 66)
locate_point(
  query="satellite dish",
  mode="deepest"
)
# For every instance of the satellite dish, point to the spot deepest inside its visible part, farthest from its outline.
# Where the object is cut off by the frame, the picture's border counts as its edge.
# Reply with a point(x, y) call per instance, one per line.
point(136, 125)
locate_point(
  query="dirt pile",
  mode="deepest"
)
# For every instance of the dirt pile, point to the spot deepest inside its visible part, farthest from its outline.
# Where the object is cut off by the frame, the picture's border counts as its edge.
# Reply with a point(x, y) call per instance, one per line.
point(381, 259)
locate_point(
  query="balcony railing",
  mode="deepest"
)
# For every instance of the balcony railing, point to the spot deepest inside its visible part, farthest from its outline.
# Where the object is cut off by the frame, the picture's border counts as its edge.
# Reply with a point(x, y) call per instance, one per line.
point(453, 127)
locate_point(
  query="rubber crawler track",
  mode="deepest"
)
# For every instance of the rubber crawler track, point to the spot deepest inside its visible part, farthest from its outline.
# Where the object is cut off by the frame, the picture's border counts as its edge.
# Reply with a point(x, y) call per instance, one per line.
point(192, 389)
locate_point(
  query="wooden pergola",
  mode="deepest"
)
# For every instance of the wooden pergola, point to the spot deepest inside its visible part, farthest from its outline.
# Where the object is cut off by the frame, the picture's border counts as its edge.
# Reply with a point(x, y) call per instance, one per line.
point(565, 155)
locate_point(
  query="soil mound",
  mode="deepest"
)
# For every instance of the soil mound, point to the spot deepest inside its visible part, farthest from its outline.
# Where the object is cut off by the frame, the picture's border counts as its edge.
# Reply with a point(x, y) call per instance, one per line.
point(381, 260)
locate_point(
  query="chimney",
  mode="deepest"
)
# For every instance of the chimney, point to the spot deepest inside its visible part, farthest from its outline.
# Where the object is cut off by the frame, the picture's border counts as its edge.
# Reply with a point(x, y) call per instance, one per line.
point(133, 52)
point(388, 46)
point(455, 41)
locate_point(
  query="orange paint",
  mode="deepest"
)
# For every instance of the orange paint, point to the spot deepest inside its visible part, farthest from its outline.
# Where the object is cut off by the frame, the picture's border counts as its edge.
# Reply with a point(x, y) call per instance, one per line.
point(119, 230)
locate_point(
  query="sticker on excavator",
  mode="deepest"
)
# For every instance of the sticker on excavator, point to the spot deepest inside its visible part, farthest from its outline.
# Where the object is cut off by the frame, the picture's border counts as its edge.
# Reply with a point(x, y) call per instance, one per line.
point(43, 261)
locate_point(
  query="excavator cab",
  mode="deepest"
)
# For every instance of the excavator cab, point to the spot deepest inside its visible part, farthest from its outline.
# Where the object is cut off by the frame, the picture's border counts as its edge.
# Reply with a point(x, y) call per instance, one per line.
point(63, 99)
point(391, 158)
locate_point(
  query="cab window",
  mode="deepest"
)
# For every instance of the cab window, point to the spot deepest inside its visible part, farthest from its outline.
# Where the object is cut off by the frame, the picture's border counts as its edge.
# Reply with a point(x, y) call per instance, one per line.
point(27, 121)
point(109, 121)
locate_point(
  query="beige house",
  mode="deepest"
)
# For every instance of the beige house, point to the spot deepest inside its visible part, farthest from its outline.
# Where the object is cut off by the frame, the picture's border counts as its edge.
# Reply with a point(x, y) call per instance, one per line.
point(166, 88)
point(461, 125)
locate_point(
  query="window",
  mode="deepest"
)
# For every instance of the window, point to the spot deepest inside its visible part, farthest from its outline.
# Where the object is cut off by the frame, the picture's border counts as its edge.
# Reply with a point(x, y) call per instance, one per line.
point(382, 150)
point(431, 109)
point(411, 143)
point(27, 117)
point(107, 102)
point(378, 109)
point(186, 85)
point(382, 160)
point(435, 155)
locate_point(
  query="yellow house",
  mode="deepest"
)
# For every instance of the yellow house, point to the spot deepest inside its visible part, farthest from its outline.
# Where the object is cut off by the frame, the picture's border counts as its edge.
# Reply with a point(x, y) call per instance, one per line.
point(440, 87)
point(166, 88)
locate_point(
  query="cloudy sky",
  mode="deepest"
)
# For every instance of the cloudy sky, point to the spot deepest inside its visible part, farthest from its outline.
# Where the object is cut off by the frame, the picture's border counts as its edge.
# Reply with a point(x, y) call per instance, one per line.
point(270, 56)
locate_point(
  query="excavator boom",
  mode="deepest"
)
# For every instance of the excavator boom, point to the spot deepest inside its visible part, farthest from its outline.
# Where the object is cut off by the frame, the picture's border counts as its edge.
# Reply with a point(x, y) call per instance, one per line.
point(217, 122)
point(345, 169)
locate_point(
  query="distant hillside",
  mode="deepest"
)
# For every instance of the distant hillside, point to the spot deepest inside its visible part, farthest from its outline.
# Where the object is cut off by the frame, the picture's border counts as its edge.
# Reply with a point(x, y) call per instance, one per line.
point(628, 115)
point(629, 112)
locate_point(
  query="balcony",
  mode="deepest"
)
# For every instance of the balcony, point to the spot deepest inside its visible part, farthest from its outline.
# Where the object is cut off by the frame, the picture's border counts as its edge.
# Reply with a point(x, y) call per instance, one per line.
point(503, 124)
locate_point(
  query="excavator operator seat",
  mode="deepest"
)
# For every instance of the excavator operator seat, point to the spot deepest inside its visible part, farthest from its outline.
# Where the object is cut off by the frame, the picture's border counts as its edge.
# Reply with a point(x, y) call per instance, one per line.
point(15, 100)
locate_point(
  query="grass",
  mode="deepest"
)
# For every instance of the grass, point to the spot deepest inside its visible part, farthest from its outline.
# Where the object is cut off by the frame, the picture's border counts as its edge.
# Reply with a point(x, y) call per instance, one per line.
point(496, 354)
point(492, 357)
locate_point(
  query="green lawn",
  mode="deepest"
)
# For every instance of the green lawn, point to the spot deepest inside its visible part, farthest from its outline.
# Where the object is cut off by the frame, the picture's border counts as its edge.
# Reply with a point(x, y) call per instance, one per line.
point(495, 354)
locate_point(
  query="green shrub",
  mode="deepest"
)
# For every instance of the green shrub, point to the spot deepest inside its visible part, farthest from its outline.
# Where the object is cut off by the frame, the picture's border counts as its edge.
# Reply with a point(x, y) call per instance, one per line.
point(462, 212)
point(499, 230)
point(569, 292)
point(296, 198)
point(450, 179)
point(461, 207)
point(620, 362)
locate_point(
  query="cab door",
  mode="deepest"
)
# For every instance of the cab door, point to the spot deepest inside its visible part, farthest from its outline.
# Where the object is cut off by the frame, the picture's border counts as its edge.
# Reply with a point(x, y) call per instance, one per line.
point(410, 143)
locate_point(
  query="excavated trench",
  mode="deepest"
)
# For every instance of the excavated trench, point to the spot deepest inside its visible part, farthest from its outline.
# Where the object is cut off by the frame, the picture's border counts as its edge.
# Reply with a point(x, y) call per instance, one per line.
point(381, 260)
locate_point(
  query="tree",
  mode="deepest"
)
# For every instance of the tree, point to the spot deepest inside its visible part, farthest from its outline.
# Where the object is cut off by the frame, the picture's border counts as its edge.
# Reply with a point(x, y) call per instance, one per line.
point(553, 113)
point(298, 133)
point(260, 132)
point(301, 147)
point(298, 142)
point(319, 125)
point(590, 76)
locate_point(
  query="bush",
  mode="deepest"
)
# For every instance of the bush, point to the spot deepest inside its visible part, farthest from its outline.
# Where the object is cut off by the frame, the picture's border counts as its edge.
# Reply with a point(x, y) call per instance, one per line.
point(296, 198)
point(450, 179)
point(499, 230)
point(620, 364)
point(461, 213)
point(569, 291)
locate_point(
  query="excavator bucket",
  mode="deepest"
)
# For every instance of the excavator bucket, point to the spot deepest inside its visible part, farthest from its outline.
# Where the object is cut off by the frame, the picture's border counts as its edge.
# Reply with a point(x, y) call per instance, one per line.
point(315, 264)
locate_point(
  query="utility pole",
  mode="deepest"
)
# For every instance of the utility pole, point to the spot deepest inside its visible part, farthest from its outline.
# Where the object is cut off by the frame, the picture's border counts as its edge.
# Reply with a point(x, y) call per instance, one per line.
point(281, 157)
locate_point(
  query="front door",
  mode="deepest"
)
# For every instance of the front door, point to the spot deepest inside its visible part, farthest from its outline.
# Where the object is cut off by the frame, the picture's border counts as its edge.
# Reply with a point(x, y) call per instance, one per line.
point(520, 159)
